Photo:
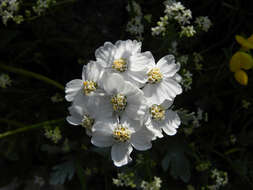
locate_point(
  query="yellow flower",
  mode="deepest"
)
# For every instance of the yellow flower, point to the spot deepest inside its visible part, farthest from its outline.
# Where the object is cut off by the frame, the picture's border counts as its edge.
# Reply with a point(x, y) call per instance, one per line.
point(241, 60)
point(245, 43)
point(241, 77)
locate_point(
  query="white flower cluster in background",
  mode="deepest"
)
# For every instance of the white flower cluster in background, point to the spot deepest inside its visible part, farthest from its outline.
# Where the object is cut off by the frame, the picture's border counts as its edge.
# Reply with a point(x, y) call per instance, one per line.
point(153, 185)
point(124, 99)
point(53, 134)
point(135, 26)
point(220, 180)
point(125, 179)
point(5, 80)
point(42, 5)
point(203, 23)
point(192, 120)
point(186, 79)
point(177, 13)
point(9, 11)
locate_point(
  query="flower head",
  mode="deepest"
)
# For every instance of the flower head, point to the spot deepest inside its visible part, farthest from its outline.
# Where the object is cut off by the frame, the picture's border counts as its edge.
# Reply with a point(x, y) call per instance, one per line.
point(122, 137)
point(126, 59)
point(88, 85)
point(162, 80)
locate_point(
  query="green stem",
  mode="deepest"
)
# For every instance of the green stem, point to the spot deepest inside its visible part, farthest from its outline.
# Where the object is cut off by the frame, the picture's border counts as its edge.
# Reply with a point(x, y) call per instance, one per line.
point(80, 174)
point(28, 128)
point(10, 122)
point(31, 74)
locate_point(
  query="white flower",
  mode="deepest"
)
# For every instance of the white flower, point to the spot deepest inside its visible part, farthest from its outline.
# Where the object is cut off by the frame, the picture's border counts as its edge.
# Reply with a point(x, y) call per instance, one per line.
point(89, 83)
point(124, 97)
point(126, 59)
point(122, 137)
point(86, 110)
point(160, 118)
point(163, 80)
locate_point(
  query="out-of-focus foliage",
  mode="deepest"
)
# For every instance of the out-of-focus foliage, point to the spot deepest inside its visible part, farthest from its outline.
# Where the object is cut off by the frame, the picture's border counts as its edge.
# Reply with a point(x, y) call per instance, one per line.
point(214, 142)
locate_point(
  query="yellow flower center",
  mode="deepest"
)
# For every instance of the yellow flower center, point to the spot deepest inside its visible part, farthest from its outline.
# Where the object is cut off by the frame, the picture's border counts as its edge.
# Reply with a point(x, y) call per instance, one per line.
point(157, 112)
point(87, 122)
point(120, 65)
point(121, 134)
point(89, 86)
point(119, 102)
point(154, 76)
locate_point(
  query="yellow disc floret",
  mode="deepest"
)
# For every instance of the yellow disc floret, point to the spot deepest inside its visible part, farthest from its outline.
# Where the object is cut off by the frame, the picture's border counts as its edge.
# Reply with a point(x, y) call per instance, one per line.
point(120, 65)
point(157, 112)
point(119, 102)
point(89, 86)
point(87, 122)
point(154, 76)
point(121, 134)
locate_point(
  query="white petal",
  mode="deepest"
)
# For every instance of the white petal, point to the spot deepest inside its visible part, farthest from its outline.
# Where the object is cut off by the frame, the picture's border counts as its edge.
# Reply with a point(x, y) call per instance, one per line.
point(127, 48)
point(141, 62)
point(167, 66)
point(105, 54)
point(153, 94)
point(170, 88)
point(94, 71)
point(101, 139)
point(172, 122)
point(177, 78)
point(166, 104)
point(141, 140)
point(72, 88)
point(121, 153)
point(154, 127)
point(113, 83)
point(74, 120)
point(102, 135)
point(130, 90)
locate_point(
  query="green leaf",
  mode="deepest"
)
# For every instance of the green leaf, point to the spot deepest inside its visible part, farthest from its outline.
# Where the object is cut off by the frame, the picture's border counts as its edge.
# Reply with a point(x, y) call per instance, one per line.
point(176, 160)
point(62, 172)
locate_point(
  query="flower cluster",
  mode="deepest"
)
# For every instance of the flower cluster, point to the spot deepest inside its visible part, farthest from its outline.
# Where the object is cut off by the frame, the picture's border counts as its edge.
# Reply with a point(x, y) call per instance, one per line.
point(123, 98)
point(125, 179)
point(177, 13)
point(203, 23)
point(9, 11)
point(242, 60)
point(153, 185)
point(42, 5)
point(53, 134)
point(135, 26)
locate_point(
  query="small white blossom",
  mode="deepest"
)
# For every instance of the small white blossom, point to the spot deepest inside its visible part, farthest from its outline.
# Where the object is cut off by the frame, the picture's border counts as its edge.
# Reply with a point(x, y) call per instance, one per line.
point(5, 80)
point(42, 5)
point(187, 31)
point(204, 23)
point(39, 180)
point(186, 79)
point(9, 11)
point(135, 26)
point(153, 185)
point(57, 98)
